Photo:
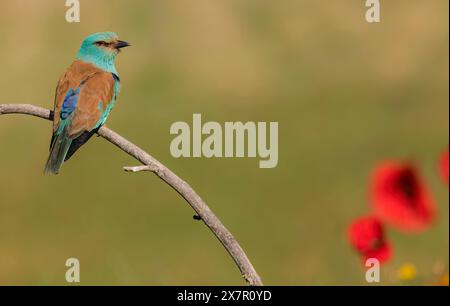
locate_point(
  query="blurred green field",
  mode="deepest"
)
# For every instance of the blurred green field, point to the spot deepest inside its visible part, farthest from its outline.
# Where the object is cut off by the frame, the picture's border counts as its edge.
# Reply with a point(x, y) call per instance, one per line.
point(346, 94)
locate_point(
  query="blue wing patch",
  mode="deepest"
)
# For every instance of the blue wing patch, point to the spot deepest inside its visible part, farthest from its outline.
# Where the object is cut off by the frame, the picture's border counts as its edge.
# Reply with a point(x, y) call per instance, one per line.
point(116, 77)
point(70, 103)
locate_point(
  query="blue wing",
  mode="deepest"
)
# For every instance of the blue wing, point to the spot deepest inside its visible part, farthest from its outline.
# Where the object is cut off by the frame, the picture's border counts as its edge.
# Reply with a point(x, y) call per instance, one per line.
point(70, 103)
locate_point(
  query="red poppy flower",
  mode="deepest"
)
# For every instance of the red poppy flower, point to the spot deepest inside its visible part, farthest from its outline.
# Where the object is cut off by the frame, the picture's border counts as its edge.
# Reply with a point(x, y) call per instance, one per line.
point(366, 235)
point(400, 198)
point(443, 166)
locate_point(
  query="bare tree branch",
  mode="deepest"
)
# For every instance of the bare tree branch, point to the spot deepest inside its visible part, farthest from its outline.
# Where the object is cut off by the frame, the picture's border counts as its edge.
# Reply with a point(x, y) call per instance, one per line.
point(180, 186)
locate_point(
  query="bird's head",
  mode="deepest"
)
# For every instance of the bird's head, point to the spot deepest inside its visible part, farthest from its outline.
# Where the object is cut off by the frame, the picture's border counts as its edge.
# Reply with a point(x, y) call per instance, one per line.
point(101, 50)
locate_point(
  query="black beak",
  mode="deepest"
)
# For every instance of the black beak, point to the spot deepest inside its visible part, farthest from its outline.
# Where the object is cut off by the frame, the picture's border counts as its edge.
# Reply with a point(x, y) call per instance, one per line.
point(121, 44)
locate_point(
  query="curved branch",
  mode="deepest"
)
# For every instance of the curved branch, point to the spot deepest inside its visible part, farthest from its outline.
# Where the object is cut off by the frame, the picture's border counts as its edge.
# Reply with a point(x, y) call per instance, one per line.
point(180, 186)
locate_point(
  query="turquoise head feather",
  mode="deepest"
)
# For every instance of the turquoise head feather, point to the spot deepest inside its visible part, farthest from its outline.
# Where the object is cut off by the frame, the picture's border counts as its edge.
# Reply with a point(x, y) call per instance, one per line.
point(101, 49)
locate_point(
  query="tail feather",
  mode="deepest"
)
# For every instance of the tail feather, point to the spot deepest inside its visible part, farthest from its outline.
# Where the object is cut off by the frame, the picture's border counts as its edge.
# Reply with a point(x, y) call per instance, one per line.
point(78, 142)
point(58, 151)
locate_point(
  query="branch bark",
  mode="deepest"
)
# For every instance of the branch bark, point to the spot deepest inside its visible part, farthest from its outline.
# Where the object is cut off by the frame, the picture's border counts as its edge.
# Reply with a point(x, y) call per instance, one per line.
point(164, 173)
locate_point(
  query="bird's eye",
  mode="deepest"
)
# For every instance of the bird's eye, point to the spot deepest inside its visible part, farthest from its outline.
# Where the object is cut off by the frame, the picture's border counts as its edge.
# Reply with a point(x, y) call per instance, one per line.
point(101, 43)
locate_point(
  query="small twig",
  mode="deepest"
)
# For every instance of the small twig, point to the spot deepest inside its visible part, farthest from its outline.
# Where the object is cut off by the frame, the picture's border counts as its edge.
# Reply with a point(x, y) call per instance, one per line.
point(153, 165)
point(139, 169)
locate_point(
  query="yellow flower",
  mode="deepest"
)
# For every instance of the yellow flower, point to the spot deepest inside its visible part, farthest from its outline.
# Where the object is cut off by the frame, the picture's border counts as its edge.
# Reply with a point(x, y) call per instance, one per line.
point(443, 280)
point(407, 272)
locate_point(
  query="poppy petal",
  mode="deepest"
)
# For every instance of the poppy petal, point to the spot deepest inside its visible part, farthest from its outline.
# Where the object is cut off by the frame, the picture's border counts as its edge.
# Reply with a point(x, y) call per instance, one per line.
point(366, 235)
point(443, 166)
point(400, 198)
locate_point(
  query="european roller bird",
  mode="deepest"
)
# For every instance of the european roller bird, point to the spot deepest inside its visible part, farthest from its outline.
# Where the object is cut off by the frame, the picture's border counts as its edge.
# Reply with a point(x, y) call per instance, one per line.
point(85, 95)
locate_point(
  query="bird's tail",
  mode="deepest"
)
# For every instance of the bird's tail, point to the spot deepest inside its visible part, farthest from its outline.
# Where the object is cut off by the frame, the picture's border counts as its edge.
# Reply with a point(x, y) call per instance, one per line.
point(58, 151)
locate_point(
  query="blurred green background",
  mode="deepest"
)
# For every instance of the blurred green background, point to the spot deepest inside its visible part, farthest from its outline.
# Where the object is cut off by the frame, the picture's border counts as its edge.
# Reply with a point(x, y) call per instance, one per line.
point(347, 94)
